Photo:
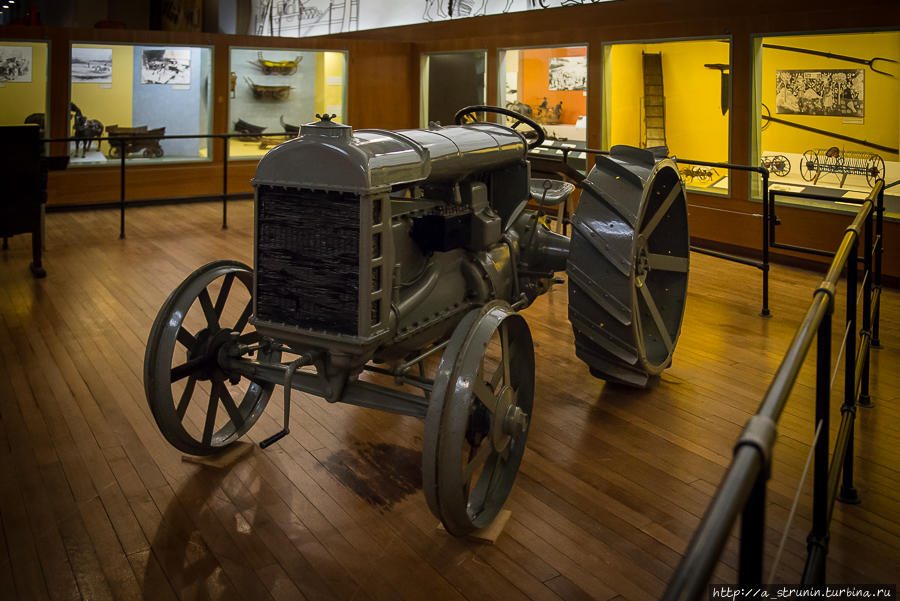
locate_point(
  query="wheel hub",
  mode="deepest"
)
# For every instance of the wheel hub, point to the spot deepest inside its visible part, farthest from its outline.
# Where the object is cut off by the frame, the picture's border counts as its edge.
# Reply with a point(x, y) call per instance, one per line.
point(641, 263)
point(207, 346)
point(509, 421)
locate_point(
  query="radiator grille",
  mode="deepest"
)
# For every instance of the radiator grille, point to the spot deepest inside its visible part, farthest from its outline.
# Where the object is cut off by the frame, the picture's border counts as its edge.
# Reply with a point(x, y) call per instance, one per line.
point(307, 259)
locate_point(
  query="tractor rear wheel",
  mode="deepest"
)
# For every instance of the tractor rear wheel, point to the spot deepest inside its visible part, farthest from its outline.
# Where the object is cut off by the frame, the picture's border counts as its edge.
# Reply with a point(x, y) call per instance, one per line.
point(628, 266)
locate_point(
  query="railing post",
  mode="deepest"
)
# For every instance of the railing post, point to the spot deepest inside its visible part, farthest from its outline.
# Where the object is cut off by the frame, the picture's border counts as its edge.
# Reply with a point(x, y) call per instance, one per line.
point(122, 190)
point(753, 527)
point(848, 493)
point(765, 249)
point(817, 541)
point(866, 333)
point(879, 249)
point(225, 183)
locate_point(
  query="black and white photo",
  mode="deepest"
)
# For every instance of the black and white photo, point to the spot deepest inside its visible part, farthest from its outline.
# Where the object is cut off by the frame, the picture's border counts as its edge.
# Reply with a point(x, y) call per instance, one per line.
point(828, 92)
point(166, 66)
point(15, 64)
point(91, 65)
point(568, 73)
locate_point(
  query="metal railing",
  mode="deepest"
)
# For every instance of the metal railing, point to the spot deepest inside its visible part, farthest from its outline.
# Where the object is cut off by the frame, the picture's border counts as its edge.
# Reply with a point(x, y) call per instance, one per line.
point(743, 488)
point(122, 140)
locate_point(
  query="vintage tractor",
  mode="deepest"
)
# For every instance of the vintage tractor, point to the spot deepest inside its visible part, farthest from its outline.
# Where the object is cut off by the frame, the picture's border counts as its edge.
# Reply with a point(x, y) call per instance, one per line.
point(389, 271)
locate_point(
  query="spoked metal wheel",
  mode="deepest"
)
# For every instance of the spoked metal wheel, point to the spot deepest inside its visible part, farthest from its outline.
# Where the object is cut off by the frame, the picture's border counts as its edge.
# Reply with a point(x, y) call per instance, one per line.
point(874, 169)
point(478, 418)
point(628, 266)
point(199, 407)
point(809, 166)
point(781, 165)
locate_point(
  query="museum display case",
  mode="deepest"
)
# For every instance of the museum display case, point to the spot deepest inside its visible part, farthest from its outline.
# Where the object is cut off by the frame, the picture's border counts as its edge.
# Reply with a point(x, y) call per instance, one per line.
point(549, 85)
point(451, 81)
point(139, 93)
point(24, 88)
point(825, 116)
point(272, 92)
point(675, 94)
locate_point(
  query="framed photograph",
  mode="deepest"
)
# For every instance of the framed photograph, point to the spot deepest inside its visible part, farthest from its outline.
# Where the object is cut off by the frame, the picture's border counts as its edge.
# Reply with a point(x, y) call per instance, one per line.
point(15, 64)
point(91, 65)
point(568, 73)
point(829, 92)
point(166, 66)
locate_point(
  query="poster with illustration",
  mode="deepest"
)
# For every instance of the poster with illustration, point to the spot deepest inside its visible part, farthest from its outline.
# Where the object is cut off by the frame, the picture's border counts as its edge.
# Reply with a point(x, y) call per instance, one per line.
point(829, 92)
point(166, 66)
point(15, 64)
point(91, 65)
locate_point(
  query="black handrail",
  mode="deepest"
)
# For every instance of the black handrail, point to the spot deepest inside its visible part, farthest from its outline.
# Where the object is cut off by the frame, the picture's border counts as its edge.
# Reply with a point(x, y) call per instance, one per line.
point(742, 489)
point(122, 139)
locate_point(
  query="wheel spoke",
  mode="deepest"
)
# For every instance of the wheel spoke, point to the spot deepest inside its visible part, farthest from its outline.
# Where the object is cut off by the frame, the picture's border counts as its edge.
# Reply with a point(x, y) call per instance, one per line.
point(657, 317)
point(498, 374)
point(661, 212)
point(504, 341)
point(485, 395)
point(212, 319)
point(223, 294)
point(233, 412)
point(185, 398)
point(211, 415)
point(516, 124)
point(245, 316)
point(484, 451)
point(185, 338)
point(186, 369)
point(668, 262)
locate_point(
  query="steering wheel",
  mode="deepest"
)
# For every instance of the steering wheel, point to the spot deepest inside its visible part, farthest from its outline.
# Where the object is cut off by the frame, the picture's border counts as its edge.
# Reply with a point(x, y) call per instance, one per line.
point(499, 110)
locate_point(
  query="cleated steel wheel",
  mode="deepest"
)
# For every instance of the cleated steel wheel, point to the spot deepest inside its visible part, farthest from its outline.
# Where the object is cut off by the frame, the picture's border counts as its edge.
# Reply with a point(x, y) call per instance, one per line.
point(628, 266)
point(200, 408)
point(478, 417)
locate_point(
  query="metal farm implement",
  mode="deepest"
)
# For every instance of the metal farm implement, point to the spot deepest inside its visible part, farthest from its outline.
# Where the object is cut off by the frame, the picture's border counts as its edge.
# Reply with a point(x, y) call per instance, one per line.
point(842, 163)
point(389, 271)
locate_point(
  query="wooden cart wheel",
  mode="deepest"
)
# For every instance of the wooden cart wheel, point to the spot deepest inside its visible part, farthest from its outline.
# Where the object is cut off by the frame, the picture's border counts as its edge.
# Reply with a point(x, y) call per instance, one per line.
point(809, 166)
point(184, 383)
point(478, 417)
point(115, 150)
point(874, 169)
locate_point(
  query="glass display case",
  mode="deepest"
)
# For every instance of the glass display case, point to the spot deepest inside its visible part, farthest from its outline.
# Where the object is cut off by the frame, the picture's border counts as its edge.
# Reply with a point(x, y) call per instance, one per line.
point(118, 90)
point(825, 113)
point(549, 85)
point(23, 83)
point(272, 92)
point(675, 94)
point(451, 81)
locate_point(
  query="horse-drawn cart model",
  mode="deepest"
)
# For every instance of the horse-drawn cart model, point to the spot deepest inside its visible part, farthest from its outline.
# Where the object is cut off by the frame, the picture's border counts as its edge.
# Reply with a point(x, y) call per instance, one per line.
point(135, 139)
point(841, 162)
point(777, 164)
point(276, 67)
point(261, 92)
point(376, 252)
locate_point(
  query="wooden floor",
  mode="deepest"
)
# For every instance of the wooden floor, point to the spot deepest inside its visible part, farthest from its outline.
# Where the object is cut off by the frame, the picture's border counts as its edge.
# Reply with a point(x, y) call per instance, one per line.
point(94, 504)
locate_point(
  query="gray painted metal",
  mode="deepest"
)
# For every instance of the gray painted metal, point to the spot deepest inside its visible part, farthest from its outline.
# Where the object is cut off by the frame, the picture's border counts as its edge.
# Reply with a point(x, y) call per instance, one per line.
point(478, 416)
point(628, 266)
point(203, 348)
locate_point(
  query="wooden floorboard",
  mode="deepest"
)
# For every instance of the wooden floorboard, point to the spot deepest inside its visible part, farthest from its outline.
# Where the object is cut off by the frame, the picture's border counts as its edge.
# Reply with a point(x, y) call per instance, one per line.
point(95, 504)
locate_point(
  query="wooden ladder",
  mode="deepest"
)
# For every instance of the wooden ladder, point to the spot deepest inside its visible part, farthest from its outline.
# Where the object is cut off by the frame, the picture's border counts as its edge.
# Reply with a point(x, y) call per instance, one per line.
point(654, 101)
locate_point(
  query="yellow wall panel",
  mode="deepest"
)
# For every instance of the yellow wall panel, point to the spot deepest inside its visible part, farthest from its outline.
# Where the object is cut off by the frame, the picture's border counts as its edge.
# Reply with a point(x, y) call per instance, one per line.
point(108, 103)
point(20, 99)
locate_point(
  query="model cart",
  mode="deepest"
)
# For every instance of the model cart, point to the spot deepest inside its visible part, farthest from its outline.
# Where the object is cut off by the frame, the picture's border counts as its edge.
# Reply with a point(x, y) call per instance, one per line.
point(135, 139)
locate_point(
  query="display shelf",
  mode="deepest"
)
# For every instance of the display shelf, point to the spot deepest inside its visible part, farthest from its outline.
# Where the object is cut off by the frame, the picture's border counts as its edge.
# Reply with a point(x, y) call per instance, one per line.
point(676, 94)
point(273, 91)
point(24, 87)
point(548, 85)
point(828, 104)
point(119, 89)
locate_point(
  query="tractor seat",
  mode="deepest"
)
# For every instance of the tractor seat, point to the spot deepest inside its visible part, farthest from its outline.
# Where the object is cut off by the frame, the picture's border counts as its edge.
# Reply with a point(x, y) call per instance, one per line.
point(549, 192)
